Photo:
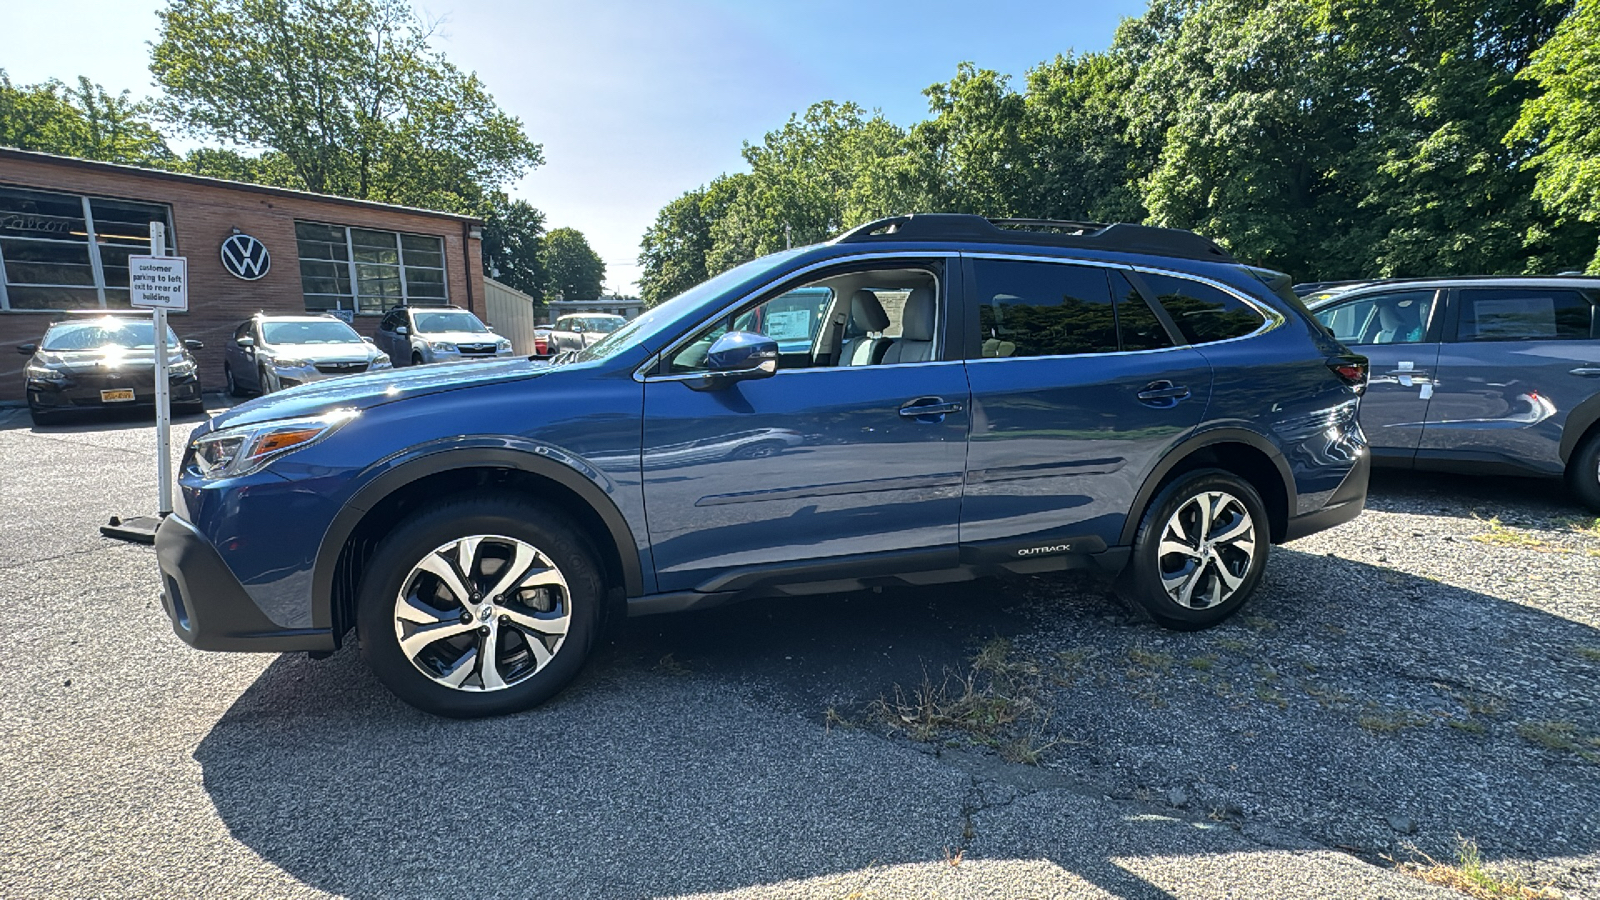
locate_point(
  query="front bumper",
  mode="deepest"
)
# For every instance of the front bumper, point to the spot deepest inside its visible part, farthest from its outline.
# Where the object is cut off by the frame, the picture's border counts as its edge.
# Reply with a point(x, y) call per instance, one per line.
point(209, 608)
point(84, 393)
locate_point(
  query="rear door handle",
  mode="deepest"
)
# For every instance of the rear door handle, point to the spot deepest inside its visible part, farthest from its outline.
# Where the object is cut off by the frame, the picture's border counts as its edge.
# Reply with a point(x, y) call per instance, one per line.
point(1164, 392)
point(929, 407)
point(1587, 371)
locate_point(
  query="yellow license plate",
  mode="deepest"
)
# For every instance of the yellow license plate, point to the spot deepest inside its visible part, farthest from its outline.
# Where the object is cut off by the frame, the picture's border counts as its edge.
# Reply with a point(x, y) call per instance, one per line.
point(120, 395)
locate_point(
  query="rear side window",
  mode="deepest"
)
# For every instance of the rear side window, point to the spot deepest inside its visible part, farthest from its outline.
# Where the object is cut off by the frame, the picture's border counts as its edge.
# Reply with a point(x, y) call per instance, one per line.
point(1203, 313)
point(1523, 314)
point(1043, 309)
point(1138, 325)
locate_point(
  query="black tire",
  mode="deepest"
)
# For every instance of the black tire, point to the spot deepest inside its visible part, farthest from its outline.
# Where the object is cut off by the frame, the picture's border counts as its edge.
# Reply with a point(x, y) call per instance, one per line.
point(1583, 471)
point(416, 359)
point(233, 386)
point(1141, 583)
point(395, 567)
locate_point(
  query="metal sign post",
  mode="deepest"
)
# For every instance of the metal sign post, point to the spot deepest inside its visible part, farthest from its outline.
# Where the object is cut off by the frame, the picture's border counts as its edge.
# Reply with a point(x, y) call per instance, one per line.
point(158, 282)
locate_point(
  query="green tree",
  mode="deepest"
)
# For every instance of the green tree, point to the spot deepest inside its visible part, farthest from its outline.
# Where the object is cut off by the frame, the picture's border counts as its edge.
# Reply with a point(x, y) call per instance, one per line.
point(85, 121)
point(572, 269)
point(1563, 122)
point(347, 94)
point(513, 245)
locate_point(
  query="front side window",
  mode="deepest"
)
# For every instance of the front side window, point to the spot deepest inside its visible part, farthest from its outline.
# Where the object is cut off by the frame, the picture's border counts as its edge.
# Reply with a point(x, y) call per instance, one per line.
point(66, 251)
point(368, 271)
point(1524, 314)
point(1203, 314)
point(846, 319)
point(1396, 318)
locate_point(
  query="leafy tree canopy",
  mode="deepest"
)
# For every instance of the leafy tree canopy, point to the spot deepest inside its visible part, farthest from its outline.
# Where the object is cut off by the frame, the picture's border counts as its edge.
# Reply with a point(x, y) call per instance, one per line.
point(85, 121)
point(572, 269)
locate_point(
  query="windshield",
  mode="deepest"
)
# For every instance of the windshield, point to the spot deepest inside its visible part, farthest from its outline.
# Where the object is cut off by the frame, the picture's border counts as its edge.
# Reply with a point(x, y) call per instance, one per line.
point(130, 334)
point(602, 324)
point(324, 332)
point(432, 322)
point(659, 318)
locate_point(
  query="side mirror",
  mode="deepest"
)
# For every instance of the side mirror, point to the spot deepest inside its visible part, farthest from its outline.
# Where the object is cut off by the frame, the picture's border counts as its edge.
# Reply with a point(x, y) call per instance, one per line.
point(27, 349)
point(369, 340)
point(737, 356)
point(246, 342)
point(401, 330)
point(193, 344)
point(577, 329)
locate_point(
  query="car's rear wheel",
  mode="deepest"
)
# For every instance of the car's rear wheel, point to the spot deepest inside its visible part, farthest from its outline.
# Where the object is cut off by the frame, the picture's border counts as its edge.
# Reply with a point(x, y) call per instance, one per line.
point(481, 607)
point(1200, 551)
point(1583, 471)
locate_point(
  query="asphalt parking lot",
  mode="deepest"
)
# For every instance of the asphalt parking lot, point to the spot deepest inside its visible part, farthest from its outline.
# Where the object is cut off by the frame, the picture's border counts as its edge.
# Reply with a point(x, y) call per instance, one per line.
point(1425, 675)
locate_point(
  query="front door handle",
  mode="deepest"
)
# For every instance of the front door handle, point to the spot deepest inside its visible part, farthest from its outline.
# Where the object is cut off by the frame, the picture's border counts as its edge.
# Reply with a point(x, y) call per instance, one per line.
point(1586, 371)
point(930, 409)
point(1163, 393)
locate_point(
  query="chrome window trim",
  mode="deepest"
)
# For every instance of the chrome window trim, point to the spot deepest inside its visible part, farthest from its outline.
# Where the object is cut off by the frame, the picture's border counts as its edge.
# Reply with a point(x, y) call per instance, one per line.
point(816, 370)
point(641, 373)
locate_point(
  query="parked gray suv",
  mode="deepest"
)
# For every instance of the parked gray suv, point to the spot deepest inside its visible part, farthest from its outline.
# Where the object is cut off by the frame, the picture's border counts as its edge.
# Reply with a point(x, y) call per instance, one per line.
point(415, 335)
point(1472, 375)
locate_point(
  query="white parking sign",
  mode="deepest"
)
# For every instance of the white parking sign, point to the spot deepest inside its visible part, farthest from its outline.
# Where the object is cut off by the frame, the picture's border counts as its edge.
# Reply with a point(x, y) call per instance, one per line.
point(159, 282)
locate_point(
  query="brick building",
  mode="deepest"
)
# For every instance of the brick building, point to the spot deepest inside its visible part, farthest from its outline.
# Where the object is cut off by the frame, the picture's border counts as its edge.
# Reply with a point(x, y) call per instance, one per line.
point(67, 227)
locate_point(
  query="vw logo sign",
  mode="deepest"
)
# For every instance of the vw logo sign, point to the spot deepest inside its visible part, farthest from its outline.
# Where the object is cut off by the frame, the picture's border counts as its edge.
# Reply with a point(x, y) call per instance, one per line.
point(245, 257)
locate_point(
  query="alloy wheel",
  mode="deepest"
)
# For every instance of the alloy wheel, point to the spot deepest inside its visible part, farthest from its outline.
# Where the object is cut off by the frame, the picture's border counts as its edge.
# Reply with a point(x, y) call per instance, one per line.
point(1206, 550)
point(482, 613)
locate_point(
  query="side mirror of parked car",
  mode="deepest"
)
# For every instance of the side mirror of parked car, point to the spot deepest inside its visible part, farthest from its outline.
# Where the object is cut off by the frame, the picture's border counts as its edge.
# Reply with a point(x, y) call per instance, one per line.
point(577, 328)
point(193, 344)
point(369, 340)
point(402, 330)
point(737, 356)
point(27, 349)
point(246, 342)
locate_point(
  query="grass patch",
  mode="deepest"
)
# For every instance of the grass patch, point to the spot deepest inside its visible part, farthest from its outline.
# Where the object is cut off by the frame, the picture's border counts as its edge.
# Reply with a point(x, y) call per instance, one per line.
point(1470, 876)
point(1592, 654)
point(1470, 726)
point(1499, 535)
point(1148, 664)
point(1389, 721)
point(1328, 698)
point(1202, 663)
point(1585, 527)
point(996, 704)
point(1235, 645)
point(1268, 695)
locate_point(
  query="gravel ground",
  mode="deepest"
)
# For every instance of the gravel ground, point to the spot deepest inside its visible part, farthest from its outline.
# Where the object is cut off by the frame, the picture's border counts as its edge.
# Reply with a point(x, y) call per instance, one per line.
point(1397, 683)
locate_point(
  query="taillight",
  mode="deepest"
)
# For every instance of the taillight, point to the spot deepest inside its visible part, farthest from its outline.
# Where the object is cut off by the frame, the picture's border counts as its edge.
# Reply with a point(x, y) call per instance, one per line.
point(1351, 369)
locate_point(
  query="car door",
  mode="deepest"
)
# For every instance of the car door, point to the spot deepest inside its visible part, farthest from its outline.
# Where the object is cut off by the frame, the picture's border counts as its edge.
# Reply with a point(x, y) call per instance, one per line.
point(1518, 360)
point(1077, 390)
point(239, 361)
point(814, 465)
point(384, 336)
point(1398, 331)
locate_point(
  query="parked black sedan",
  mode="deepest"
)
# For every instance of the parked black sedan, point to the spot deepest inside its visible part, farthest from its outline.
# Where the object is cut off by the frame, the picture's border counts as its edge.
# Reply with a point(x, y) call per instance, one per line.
point(104, 360)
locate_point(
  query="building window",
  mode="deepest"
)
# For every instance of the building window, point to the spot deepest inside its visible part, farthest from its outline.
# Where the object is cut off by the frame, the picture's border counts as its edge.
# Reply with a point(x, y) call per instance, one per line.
point(368, 271)
point(67, 251)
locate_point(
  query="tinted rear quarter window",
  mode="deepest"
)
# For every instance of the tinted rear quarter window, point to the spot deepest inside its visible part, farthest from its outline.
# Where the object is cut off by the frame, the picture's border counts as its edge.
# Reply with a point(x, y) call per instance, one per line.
point(1203, 313)
point(1524, 314)
point(1043, 309)
point(1140, 328)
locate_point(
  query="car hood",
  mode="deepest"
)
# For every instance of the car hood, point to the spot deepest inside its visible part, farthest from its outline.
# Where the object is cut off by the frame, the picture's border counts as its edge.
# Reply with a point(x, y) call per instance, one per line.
point(355, 350)
point(374, 389)
point(460, 337)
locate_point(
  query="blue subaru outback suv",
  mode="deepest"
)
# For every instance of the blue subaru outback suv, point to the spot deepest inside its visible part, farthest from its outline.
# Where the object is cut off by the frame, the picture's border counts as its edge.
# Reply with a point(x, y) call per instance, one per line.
point(925, 398)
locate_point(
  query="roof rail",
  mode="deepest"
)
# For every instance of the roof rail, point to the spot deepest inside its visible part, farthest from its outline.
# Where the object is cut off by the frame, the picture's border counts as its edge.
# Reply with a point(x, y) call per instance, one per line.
point(1121, 236)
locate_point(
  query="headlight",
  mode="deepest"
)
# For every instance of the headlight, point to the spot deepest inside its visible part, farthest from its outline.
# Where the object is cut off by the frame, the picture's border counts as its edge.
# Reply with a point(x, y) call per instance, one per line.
point(504, 344)
point(181, 369)
point(37, 372)
point(284, 362)
point(232, 452)
point(379, 362)
point(443, 346)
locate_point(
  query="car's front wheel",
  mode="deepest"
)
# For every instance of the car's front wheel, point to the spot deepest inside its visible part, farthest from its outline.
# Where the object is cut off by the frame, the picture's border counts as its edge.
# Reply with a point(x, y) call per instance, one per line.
point(233, 386)
point(1200, 551)
point(480, 607)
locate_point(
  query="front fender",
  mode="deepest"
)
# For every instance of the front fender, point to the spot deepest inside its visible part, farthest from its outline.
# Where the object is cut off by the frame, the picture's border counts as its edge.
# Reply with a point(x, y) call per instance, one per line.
point(398, 470)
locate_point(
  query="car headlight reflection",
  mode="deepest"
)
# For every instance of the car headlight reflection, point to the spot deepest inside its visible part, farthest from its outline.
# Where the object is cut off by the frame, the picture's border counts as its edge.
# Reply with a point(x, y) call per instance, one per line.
point(233, 452)
point(45, 373)
point(443, 346)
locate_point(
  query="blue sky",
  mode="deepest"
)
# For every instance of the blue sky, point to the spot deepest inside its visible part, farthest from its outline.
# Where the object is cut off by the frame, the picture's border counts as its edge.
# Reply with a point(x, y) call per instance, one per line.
point(636, 103)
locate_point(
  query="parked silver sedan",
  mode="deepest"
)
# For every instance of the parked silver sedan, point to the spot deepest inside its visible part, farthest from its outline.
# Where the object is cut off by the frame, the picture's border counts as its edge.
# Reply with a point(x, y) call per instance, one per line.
point(268, 353)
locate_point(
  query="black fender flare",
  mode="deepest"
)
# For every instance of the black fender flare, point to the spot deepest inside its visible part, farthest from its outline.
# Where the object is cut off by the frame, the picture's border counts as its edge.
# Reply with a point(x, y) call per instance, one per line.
point(1199, 441)
point(344, 524)
point(1582, 417)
